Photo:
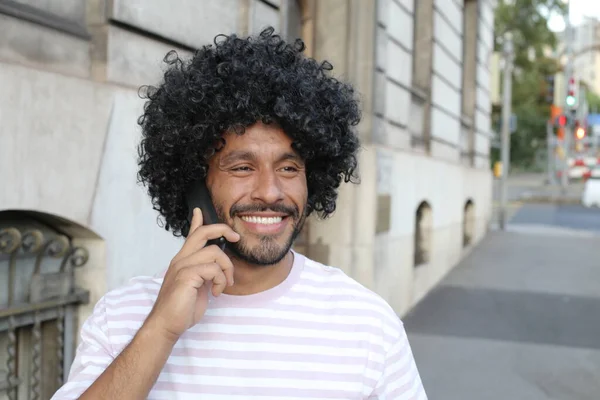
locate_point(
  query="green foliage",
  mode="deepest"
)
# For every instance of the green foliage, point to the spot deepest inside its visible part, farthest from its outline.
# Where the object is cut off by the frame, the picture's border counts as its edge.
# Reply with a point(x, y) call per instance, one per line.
point(527, 20)
point(593, 101)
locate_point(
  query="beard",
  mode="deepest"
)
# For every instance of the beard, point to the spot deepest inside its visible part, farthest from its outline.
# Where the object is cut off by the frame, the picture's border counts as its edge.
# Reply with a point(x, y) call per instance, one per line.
point(269, 250)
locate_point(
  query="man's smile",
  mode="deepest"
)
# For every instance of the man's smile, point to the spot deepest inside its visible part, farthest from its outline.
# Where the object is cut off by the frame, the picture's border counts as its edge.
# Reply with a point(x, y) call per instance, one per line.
point(264, 223)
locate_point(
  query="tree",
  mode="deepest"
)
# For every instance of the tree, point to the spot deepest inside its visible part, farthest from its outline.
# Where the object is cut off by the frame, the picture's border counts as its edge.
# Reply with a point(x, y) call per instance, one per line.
point(534, 43)
point(593, 101)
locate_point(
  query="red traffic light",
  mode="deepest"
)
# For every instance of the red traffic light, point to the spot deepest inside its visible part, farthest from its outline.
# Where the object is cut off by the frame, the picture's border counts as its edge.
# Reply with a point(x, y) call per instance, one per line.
point(562, 120)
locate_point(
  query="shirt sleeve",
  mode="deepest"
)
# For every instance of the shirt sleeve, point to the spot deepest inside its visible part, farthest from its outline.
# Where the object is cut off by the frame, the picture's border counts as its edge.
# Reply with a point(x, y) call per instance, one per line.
point(400, 379)
point(92, 357)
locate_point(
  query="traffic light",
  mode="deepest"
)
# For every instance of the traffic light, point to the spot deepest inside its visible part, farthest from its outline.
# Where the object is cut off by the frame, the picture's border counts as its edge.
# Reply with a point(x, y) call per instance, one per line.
point(571, 100)
point(561, 120)
point(580, 133)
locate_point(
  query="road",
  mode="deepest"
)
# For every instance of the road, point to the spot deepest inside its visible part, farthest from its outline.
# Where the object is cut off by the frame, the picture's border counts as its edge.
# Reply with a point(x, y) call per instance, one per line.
point(519, 318)
point(573, 217)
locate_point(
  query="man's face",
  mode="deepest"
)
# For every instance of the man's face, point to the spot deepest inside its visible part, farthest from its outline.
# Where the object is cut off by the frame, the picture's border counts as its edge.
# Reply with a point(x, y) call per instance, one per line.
point(258, 185)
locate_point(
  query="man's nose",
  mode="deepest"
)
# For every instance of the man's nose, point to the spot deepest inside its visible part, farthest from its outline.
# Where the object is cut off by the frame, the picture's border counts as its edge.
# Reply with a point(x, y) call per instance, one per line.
point(268, 188)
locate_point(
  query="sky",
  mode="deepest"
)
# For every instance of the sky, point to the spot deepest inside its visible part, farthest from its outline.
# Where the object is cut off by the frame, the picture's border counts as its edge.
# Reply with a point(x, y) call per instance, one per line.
point(579, 9)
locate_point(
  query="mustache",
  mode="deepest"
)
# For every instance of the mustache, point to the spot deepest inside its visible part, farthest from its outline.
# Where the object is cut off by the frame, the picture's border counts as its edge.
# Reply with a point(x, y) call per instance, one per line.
point(250, 208)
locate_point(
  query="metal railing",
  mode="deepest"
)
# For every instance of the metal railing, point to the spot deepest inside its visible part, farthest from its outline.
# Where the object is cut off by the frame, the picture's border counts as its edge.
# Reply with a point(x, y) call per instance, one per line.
point(37, 316)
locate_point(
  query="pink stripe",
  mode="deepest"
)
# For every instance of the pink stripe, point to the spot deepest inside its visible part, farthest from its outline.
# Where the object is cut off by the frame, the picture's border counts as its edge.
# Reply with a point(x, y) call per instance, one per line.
point(144, 287)
point(253, 391)
point(269, 356)
point(357, 313)
point(391, 319)
point(146, 302)
point(137, 318)
point(406, 368)
point(128, 317)
point(348, 284)
point(131, 331)
point(149, 298)
point(295, 324)
point(273, 339)
point(397, 356)
point(381, 309)
point(150, 295)
point(406, 388)
point(191, 336)
point(264, 373)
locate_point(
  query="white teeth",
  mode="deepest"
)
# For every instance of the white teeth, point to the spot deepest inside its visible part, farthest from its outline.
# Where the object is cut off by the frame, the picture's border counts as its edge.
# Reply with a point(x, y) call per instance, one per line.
point(262, 220)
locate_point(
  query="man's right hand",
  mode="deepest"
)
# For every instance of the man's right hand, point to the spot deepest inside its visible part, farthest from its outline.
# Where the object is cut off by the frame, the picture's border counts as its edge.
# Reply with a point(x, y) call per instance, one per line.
point(181, 303)
point(183, 296)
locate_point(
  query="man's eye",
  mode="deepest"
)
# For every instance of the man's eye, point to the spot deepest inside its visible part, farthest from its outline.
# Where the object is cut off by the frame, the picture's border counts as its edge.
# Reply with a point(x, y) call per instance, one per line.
point(242, 169)
point(290, 169)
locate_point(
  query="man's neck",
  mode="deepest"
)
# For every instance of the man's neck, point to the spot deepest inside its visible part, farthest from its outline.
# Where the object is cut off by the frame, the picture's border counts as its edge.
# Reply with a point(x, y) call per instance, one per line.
point(251, 279)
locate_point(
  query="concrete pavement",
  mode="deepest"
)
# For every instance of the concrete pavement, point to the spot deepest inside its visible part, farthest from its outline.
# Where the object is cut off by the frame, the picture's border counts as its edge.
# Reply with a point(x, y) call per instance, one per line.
point(518, 319)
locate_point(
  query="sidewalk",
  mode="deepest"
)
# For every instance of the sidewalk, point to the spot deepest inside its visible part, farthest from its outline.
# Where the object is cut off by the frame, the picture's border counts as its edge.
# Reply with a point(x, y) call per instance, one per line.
point(518, 319)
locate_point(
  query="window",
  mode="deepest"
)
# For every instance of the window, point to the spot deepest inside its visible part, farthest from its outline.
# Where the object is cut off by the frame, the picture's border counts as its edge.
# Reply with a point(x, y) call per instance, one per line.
point(469, 80)
point(423, 227)
point(422, 71)
point(423, 44)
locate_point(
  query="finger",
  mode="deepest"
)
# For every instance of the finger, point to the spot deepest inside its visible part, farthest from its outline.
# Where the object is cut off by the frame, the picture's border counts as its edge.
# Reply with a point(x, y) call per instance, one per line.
point(195, 223)
point(208, 255)
point(219, 283)
point(191, 277)
point(197, 220)
point(224, 262)
point(201, 235)
point(215, 231)
point(199, 275)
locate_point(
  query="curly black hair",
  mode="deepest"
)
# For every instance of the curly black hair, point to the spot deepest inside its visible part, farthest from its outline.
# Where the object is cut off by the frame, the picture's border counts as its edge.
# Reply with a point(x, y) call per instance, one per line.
point(229, 86)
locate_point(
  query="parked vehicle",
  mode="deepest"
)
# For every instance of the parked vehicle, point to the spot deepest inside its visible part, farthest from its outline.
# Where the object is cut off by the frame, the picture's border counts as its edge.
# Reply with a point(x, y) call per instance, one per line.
point(591, 191)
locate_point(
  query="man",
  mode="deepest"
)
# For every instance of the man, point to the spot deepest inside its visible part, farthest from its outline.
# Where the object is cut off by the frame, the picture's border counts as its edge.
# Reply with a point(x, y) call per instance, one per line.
point(272, 136)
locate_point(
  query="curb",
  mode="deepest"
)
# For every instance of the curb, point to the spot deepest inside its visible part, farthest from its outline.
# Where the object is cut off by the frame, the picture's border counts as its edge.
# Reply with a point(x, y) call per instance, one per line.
point(550, 199)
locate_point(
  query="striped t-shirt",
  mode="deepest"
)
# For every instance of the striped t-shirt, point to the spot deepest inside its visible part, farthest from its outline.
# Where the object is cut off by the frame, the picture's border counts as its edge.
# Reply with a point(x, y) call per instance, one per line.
point(317, 335)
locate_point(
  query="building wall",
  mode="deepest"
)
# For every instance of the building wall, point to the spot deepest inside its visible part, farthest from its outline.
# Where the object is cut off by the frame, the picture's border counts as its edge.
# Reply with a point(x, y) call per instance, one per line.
point(453, 171)
point(68, 110)
point(68, 132)
point(587, 64)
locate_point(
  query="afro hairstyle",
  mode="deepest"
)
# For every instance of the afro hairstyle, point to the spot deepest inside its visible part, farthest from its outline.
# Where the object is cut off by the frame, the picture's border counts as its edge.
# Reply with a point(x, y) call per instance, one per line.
point(228, 86)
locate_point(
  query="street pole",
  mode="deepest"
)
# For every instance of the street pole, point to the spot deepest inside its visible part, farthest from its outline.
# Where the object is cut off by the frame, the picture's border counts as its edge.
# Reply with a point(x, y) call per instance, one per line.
point(508, 53)
point(568, 129)
point(550, 145)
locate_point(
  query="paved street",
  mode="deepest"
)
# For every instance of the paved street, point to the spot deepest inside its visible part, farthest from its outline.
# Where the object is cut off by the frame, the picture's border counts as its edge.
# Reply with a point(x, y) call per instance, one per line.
point(520, 317)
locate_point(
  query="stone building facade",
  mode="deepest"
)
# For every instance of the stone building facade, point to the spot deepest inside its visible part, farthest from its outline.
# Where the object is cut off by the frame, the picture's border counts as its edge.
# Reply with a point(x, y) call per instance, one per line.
point(69, 78)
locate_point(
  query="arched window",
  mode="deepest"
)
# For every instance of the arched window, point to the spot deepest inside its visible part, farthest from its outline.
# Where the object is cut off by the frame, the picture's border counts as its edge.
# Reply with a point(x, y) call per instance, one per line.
point(423, 228)
point(468, 223)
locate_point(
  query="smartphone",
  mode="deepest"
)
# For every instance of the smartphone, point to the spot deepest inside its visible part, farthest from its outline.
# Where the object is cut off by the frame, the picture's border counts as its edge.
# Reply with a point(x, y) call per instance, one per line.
point(198, 196)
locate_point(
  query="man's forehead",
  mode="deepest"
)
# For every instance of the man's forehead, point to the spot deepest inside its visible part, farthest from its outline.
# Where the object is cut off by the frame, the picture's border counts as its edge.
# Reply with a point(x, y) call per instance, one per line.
point(259, 132)
point(255, 140)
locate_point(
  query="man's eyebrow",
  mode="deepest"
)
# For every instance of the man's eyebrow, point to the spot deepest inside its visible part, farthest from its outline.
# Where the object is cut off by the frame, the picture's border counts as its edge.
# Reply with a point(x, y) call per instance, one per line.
point(291, 157)
point(238, 155)
point(244, 155)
